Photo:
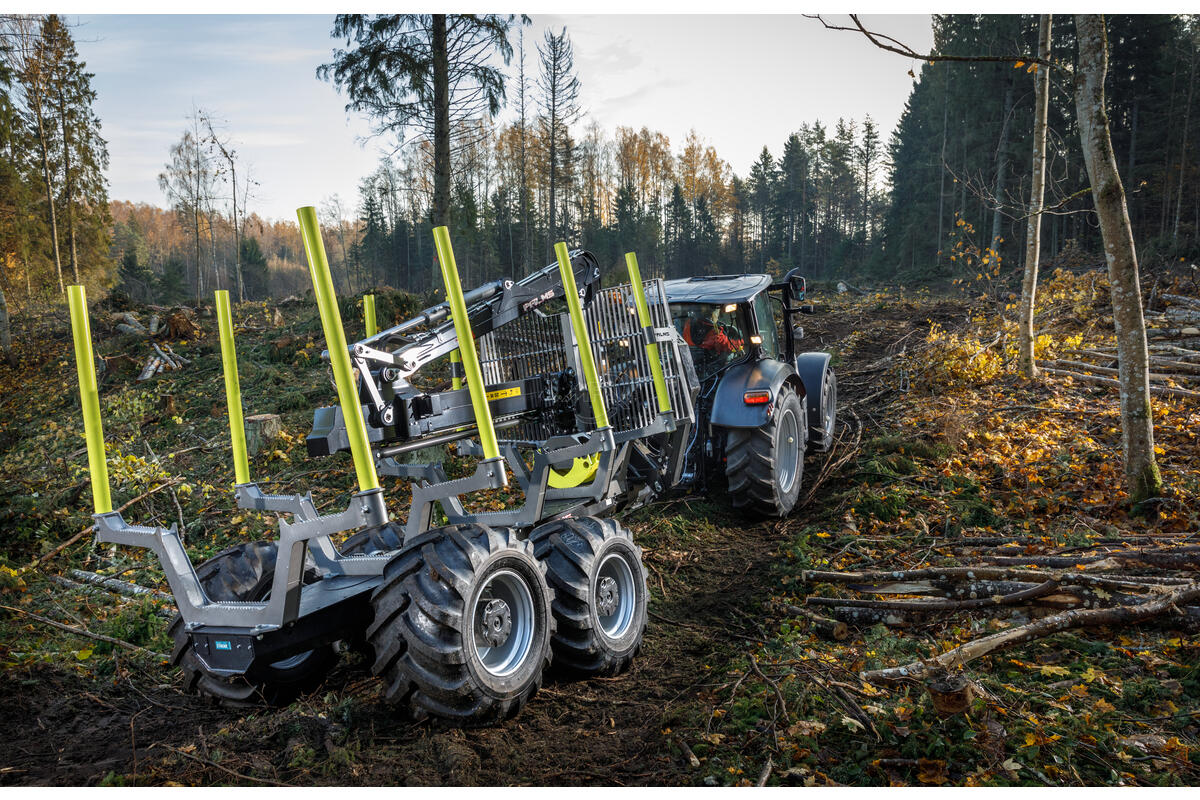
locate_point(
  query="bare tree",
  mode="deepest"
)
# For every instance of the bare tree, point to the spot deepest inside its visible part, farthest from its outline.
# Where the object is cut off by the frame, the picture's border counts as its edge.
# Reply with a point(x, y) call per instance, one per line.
point(1033, 236)
point(187, 182)
point(229, 157)
point(1137, 423)
point(560, 106)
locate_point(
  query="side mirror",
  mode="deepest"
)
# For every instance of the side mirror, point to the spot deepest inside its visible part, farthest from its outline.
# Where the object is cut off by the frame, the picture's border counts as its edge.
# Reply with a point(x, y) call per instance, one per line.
point(797, 332)
point(796, 283)
point(808, 309)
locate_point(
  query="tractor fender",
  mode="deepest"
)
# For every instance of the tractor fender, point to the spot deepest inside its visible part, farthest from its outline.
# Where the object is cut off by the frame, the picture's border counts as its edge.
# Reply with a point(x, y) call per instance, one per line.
point(812, 369)
point(729, 409)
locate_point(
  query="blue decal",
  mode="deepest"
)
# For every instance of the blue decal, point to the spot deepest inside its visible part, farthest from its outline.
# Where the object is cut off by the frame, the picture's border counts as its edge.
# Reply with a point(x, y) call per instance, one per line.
point(223, 645)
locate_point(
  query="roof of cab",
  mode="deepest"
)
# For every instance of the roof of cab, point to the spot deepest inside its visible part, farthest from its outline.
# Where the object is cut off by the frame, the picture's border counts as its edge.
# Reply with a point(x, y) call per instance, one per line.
point(716, 288)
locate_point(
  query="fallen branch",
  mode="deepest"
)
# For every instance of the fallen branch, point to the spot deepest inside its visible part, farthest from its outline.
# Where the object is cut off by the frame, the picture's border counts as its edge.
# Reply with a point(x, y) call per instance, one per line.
point(92, 528)
point(1126, 583)
point(83, 632)
point(1180, 300)
point(1159, 390)
point(1077, 365)
point(1066, 620)
point(925, 606)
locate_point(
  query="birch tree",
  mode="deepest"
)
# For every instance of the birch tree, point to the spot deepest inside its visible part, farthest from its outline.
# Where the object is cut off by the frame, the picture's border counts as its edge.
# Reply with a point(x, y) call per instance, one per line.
point(1137, 424)
point(1033, 236)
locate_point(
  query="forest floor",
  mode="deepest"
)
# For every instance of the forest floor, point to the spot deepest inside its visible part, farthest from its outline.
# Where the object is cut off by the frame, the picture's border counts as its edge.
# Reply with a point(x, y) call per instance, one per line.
point(944, 457)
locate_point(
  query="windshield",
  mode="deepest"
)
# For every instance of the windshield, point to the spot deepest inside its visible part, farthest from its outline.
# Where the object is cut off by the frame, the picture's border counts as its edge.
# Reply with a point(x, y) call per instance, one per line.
point(713, 334)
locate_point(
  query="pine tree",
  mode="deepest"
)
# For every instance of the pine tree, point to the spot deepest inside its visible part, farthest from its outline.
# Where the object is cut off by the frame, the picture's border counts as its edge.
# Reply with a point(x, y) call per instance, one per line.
point(560, 108)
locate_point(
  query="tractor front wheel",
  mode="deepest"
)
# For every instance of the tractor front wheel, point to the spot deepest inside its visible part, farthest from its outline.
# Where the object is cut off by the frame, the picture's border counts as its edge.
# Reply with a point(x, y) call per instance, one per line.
point(599, 586)
point(462, 625)
point(764, 466)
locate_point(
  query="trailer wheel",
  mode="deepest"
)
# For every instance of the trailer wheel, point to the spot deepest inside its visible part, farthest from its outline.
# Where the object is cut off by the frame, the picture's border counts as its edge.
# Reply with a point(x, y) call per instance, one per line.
point(599, 586)
point(764, 466)
point(462, 625)
point(378, 539)
point(244, 573)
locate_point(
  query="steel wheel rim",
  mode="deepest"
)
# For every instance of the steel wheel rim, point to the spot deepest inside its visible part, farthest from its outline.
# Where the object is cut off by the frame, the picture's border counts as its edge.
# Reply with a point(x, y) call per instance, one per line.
point(615, 568)
point(504, 659)
point(829, 405)
point(788, 450)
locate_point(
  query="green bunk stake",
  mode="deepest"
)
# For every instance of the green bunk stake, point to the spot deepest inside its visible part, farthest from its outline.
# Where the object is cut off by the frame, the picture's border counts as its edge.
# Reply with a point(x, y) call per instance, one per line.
point(335, 340)
point(233, 389)
point(466, 343)
point(643, 311)
point(581, 336)
point(89, 398)
point(369, 314)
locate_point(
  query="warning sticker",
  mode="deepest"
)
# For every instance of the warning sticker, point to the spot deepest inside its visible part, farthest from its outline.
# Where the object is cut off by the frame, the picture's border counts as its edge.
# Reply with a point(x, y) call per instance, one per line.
point(504, 394)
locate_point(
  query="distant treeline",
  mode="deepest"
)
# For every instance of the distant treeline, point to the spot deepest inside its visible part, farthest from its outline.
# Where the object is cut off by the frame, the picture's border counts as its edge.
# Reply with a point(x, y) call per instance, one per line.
point(962, 149)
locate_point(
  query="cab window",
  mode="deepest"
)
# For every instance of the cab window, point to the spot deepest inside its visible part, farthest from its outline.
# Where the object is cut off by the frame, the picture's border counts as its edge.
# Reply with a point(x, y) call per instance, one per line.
point(764, 315)
point(713, 334)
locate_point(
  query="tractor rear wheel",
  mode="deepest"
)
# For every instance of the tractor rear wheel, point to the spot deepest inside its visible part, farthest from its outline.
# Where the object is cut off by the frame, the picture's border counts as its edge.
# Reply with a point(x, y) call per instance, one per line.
point(245, 573)
point(764, 466)
point(820, 435)
point(462, 625)
point(599, 586)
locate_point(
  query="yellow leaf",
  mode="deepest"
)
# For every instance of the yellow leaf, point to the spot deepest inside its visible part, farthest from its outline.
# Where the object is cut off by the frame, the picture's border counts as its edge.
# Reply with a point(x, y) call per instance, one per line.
point(1018, 65)
point(84, 655)
point(1051, 669)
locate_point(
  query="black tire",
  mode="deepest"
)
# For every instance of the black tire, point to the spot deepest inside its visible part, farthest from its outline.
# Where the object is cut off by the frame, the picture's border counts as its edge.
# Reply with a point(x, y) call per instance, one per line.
point(823, 419)
point(426, 649)
point(245, 573)
point(758, 481)
point(378, 539)
point(591, 564)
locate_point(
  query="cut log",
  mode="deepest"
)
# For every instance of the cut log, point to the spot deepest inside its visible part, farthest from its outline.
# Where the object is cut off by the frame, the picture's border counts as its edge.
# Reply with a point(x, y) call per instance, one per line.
point(154, 321)
point(828, 628)
point(261, 429)
point(1184, 315)
point(150, 370)
point(119, 586)
point(1180, 300)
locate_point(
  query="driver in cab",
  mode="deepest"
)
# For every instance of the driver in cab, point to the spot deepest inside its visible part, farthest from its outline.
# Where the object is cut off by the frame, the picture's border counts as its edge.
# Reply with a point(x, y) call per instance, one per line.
point(710, 334)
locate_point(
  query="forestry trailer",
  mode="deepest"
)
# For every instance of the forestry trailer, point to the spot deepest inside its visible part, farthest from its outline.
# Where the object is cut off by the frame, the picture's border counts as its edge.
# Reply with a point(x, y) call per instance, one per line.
point(584, 397)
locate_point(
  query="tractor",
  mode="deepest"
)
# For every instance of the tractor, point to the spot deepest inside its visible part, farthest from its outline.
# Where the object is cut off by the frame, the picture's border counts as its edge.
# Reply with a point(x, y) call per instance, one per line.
point(762, 404)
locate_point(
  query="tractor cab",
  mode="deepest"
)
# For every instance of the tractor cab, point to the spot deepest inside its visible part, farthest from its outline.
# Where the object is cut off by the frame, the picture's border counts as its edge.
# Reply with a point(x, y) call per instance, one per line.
point(759, 394)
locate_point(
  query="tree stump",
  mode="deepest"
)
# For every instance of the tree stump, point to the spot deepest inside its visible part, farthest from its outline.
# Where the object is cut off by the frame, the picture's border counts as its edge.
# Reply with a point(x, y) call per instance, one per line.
point(261, 429)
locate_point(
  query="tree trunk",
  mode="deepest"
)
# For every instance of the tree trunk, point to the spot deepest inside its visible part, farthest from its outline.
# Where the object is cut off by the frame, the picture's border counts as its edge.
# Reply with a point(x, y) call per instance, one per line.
point(49, 192)
point(69, 189)
point(1187, 118)
point(441, 123)
point(1033, 236)
point(1001, 168)
point(942, 166)
point(237, 239)
point(6, 331)
point(1137, 424)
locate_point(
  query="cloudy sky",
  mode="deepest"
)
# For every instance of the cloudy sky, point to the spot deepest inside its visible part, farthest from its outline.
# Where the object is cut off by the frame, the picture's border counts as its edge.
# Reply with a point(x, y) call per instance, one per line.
point(742, 82)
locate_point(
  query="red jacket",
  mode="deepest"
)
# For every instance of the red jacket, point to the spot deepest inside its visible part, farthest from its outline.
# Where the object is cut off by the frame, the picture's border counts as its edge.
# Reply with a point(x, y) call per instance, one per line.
point(711, 337)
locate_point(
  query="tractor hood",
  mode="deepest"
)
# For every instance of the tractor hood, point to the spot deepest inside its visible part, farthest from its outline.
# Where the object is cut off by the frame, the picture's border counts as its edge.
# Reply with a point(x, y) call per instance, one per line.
point(716, 288)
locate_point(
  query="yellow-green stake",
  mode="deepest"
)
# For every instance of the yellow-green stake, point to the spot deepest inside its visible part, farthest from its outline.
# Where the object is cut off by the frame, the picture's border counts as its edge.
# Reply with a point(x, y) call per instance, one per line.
point(590, 376)
point(466, 343)
point(643, 311)
point(455, 378)
point(233, 389)
point(89, 398)
point(335, 340)
point(369, 314)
